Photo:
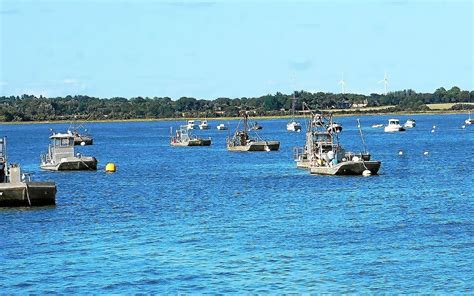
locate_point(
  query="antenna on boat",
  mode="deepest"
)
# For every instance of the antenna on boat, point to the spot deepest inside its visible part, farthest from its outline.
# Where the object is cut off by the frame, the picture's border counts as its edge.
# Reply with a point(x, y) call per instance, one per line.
point(361, 135)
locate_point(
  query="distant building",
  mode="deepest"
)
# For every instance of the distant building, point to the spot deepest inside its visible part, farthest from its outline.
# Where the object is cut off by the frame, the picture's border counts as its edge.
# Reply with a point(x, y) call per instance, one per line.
point(360, 105)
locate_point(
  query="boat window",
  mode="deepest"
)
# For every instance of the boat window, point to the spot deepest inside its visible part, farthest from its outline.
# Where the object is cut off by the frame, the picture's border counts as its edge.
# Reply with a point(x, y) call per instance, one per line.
point(57, 142)
point(65, 142)
point(71, 142)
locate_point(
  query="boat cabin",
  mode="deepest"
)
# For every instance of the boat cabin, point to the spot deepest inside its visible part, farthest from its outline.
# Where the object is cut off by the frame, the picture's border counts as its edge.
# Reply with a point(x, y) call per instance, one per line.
point(61, 146)
point(393, 122)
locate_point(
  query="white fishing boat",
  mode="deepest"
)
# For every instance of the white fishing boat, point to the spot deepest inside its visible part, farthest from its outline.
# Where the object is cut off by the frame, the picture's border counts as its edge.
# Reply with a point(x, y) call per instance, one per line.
point(191, 125)
point(221, 127)
point(393, 126)
point(204, 125)
point(183, 138)
point(324, 155)
point(61, 156)
point(242, 141)
point(410, 123)
point(293, 125)
point(469, 120)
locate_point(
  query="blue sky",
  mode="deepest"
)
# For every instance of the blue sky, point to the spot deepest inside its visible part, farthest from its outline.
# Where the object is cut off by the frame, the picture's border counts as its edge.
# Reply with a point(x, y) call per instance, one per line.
point(232, 49)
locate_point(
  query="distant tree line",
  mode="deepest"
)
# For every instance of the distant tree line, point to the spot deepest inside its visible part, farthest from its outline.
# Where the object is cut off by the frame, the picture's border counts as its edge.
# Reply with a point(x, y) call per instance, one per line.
point(32, 108)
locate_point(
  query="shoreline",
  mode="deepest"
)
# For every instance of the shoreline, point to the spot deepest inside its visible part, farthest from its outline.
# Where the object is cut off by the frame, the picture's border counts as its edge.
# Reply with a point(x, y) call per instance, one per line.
point(336, 114)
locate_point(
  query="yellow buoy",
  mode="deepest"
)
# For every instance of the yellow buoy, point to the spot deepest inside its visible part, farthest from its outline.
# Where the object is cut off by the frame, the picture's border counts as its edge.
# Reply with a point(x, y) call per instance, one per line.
point(110, 168)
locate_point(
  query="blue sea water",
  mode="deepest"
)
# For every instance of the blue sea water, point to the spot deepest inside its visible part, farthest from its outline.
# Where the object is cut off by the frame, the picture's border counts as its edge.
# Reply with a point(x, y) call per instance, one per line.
point(205, 220)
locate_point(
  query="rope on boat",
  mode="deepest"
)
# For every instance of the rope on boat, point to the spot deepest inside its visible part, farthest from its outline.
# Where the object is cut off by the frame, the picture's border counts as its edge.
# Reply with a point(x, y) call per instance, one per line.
point(27, 194)
point(86, 165)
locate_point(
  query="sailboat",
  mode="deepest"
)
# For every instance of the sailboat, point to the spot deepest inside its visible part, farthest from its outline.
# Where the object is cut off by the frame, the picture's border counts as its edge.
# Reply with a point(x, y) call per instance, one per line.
point(242, 141)
point(469, 120)
point(293, 125)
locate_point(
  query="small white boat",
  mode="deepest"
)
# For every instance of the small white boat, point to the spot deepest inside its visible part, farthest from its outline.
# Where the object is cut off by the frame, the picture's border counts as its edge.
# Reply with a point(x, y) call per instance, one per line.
point(204, 125)
point(293, 126)
point(191, 124)
point(221, 127)
point(393, 126)
point(411, 123)
point(469, 120)
point(377, 125)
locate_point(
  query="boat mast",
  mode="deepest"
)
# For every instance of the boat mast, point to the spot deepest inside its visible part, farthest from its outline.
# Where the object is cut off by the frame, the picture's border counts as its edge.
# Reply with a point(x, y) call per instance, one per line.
point(362, 136)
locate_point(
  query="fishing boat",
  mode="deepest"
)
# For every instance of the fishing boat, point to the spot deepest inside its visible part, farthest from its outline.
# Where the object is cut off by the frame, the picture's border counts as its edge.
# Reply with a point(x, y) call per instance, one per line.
point(410, 123)
point(191, 125)
point(255, 126)
point(243, 141)
point(184, 138)
point(469, 120)
point(204, 125)
point(61, 155)
point(293, 125)
point(393, 126)
point(221, 127)
point(17, 189)
point(323, 154)
point(79, 133)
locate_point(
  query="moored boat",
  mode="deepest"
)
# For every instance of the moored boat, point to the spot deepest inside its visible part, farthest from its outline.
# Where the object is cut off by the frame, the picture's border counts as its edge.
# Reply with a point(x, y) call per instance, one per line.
point(222, 127)
point(79, 133)
point(184, 138)
point(293, 125)
point(204, 125)
point(61, 155)
point(324, 155)
point(410, 123)
point(191, 124)
point(393, 126)
point(469, 120)
point(255, 126)
point(242, 141)
point(17, 189)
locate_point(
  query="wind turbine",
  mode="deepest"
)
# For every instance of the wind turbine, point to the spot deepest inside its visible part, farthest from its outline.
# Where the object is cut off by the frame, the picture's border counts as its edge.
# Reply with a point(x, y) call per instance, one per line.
point(343, 84)
point(385, 83)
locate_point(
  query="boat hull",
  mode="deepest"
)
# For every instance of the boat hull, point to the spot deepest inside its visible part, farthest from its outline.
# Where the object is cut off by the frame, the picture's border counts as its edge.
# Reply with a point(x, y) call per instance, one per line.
point(347, 168)
point(72, 164)
point(194, 142)
point(394, 130)
point(27, 194)
point(256, 146)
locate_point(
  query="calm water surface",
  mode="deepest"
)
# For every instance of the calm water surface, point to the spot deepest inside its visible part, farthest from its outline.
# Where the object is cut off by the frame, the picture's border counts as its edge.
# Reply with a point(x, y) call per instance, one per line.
point(201, 219)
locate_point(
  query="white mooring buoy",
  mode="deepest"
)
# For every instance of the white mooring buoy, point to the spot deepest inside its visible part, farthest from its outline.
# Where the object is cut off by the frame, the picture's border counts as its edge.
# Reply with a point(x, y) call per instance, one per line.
point(400, 152)
point(425, 153)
